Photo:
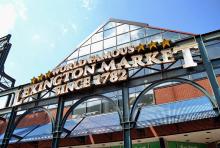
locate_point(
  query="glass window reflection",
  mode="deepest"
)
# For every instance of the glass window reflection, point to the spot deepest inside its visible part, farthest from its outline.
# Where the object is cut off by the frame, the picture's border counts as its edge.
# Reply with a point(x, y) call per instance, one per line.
point(123, 45)
point(109, 25)
point(74, 54)
point(97, 37)
point(109, 33)
point(123, 38)
point(109, 42)
point(100, 53)
point(133, 27)
point(183, 36)
point(122, 29)
point(94, 106)
point(84, 50)
point(171, 35)
point(137, 42)
point(97, 46)
point(137, 34)
point(150, 31)
point(83, 57)
point(87, 42)
point(155, 38)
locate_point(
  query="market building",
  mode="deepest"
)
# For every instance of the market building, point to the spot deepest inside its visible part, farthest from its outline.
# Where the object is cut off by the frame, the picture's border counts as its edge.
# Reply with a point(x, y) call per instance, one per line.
point(128, 84)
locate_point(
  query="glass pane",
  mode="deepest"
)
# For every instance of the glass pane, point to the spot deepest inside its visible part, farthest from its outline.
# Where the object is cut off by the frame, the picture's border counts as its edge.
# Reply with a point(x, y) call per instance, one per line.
point(107, 106)
point(97, 46)
point(118, 24)
point(110, 42)
point(122, 29)
point(109, 25)
point(150, 31)
point(97, 37)
point(84, 50)
point(171, 35)
point(182, 36)
point(110, 33)
point(123, 38)
point(137, 34)
point(87, 42)
point(98, 53)
point(123, 45)
point(71, 61)
point(74, 55)
point(94, 106)
point(213, 49)
point(84, 57)
point(132, 27)
point(155, 38)
point(148, 98)
point(101, 29)
point(137, 42)
point(109, 49)
point(81, 109)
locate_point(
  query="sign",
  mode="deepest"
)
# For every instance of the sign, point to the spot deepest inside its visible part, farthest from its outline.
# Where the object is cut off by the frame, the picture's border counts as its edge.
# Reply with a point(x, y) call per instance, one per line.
point(110, 67)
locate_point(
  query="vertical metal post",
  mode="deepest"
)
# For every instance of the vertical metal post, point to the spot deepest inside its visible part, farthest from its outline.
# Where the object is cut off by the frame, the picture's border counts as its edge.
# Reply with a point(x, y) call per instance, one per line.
point(209, 69)
point(126, 118)
point(57, 131)
point(9, 129)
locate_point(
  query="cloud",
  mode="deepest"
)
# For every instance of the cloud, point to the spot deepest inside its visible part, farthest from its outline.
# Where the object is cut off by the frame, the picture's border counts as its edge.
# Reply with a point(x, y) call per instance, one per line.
point(52, 45)
point(21, 9)
point(68, 28)
point(9, 13)
point(64, 29)
point(8, 17)
point(74, 27)
point(36, 37)
point(88, 4)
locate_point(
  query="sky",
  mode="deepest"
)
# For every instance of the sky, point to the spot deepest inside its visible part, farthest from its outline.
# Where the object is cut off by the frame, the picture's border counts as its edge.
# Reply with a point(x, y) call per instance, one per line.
point(44, 32)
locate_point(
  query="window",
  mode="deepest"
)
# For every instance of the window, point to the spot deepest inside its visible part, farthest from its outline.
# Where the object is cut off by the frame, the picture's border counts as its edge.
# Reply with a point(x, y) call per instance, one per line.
point(155, 38)
point(94, 106)
point(132, 27)
point(87, 42)
point(74, 55)
point(122, 29)
point(97, 37)
point(123, 38)
point(109, 33)
point(84, 50)
point(110, 42)
point(147, 99)
point(150, 31)
point(171, 35)
point(107, 107)
point(83, 57)
point(137, 42)
point(79, 110)
point(213, 48)
point(109, 25)
point(97, 46)
point(123, 45)
point(182, 36)
point(137, 34)
point(100, 53)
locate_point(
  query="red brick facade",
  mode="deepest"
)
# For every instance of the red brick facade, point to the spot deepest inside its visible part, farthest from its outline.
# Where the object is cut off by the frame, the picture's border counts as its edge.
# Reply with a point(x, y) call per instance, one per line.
point(181, 91)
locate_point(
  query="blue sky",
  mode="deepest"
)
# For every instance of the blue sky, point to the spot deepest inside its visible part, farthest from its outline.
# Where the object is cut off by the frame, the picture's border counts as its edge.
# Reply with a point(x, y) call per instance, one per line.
point(44, 32)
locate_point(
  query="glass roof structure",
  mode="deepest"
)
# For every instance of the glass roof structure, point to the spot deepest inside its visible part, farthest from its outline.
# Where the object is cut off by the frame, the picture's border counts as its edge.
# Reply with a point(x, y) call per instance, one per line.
point(115, 34)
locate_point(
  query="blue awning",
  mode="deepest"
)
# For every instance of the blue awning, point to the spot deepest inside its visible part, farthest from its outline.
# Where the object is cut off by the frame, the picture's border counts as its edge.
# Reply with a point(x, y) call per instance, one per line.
point(153, 115)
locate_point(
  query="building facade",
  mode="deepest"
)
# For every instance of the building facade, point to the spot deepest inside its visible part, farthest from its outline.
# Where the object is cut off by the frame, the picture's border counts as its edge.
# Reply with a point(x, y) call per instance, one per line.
point(128, 84)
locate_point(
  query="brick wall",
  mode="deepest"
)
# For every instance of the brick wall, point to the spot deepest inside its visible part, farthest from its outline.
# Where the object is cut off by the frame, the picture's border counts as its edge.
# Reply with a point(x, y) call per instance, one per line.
point(178, 92)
